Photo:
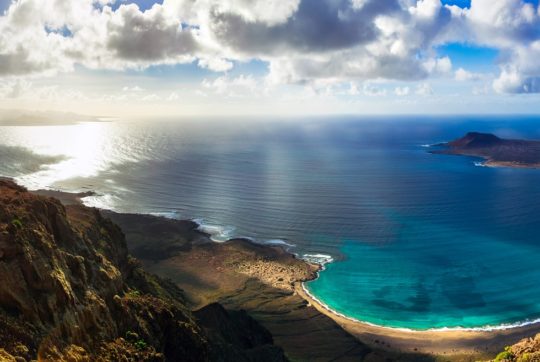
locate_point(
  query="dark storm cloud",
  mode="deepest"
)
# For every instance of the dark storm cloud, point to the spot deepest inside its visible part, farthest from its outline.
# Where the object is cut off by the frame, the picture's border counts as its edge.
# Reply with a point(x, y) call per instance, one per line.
point(317, 26)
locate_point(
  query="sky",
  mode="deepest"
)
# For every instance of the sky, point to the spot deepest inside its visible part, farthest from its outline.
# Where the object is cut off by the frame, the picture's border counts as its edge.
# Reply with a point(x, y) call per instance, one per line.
point(173, 58)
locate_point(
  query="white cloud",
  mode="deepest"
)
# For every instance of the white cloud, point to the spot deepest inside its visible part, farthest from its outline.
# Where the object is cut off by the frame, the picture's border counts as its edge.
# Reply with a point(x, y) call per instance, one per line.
point(513, 27)
point(53, 36)
point(499, 20)
point(303, 41)
point(14, 88)
point(135, 88)
point(521, 74)
point(438, 65)
point(402, 91)
point(242, 85)
point(427, 9)
point(270, 12)
point(462, 75)
point(215, 64)
point(150, 36)
point(151, 98)
point(362, 40)
point(353, 89)
point(173, 97)
point(424, 89)
point(373, 91)
point(478, 91)
point(358, 4)
point(511, 80)
point(25, 90)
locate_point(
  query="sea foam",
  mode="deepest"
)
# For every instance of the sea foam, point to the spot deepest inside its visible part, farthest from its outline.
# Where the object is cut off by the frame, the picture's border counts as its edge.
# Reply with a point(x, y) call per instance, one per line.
point(106, 201)
point(321, 259)
point(277, 242)
point(175, 215)
point(218, 233)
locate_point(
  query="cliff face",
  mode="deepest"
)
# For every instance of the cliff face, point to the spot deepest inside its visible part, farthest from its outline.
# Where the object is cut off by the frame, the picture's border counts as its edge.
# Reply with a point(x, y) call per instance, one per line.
point(69, 291)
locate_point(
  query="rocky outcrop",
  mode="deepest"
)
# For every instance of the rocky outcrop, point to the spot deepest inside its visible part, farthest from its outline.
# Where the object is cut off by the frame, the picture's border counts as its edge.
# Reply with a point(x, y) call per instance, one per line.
point(526, 350)
point(236, 330)
point(70, 292)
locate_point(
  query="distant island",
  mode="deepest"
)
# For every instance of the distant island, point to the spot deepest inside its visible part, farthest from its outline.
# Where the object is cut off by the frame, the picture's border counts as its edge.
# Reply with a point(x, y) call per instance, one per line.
point(497, 152)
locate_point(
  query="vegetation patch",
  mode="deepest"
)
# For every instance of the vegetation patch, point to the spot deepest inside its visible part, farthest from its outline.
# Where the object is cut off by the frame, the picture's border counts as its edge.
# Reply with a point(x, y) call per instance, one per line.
point(505, 355)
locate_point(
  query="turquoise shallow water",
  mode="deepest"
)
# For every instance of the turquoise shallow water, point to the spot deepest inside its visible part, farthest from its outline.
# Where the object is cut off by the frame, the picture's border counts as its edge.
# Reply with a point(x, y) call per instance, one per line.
point(409, 285)
point(418, 240)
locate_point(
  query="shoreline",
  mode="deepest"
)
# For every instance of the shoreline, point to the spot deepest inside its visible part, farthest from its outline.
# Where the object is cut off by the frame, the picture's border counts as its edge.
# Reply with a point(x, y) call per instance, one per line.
point(486, 161)
point(507, 164)
point(442, 342)
point(489, 162)
point(486, 328)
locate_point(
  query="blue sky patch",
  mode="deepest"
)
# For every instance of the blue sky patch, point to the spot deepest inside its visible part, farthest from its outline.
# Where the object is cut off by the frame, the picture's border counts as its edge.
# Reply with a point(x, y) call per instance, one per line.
point(4, 4)
point(470, 57)
point(460, 3)
point(143, 4)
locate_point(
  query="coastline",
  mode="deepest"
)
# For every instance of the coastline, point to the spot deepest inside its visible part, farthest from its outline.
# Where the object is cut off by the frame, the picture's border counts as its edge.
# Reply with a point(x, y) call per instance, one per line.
point(487, 328)
point(486, 161)
point(441, 342)
point(489, 162)
point(458, 344)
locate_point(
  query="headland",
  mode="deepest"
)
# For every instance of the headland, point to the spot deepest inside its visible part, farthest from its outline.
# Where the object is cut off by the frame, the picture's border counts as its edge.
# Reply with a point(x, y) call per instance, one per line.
point(497, 152)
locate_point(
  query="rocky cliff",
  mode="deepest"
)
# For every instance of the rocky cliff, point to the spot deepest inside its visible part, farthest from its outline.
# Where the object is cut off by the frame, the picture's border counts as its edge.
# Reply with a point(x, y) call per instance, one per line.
point(70, 291)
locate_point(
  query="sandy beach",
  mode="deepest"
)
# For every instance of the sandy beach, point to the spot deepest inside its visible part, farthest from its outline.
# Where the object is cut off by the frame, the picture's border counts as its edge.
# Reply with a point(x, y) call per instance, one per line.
point(462, 344)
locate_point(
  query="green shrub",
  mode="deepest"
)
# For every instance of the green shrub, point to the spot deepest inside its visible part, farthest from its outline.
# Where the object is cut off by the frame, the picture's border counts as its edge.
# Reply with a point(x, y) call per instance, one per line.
point(526, 357)
point(134, 339)
point(133, 293)
point(506, 355)
point(140, 345)
point(132, 336)
point(17, 223)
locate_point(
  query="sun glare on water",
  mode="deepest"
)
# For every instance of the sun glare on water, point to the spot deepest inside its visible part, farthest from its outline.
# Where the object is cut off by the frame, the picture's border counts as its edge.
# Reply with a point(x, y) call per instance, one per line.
point(85, 150)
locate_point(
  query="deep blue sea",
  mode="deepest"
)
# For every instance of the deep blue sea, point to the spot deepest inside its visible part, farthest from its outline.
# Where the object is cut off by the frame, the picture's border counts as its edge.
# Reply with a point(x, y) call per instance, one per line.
point(417, 240)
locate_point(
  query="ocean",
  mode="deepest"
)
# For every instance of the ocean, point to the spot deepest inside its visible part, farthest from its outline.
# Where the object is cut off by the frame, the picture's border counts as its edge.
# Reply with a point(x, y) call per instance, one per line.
point(413, 240)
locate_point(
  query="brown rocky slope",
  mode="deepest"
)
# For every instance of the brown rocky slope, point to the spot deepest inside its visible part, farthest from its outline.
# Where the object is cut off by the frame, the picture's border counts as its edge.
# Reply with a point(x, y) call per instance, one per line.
point(70, 292)
point(526, 350)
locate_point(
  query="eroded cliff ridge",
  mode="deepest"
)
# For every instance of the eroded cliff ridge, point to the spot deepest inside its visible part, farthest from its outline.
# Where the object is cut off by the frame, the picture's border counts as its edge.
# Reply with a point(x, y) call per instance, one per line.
point(70, 291)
